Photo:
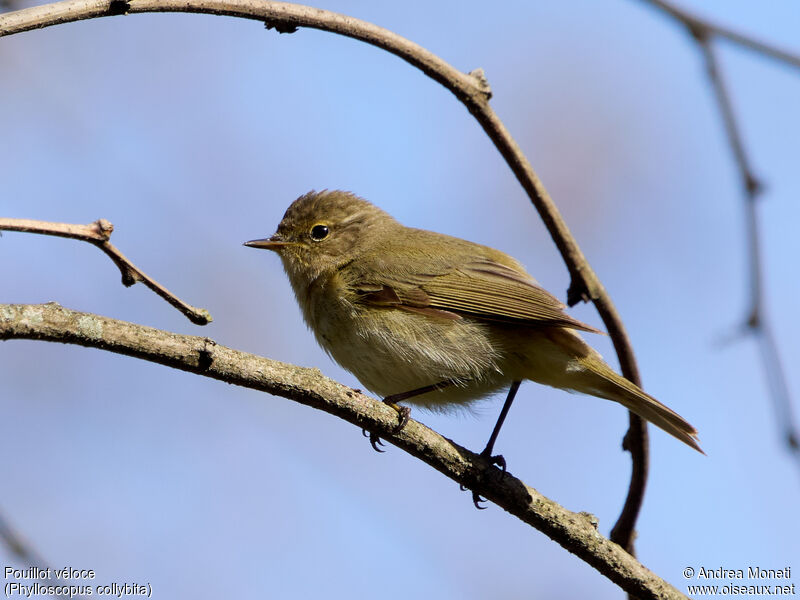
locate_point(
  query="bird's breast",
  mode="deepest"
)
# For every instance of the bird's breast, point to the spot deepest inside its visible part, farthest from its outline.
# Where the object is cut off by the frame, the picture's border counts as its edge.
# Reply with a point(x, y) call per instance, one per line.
point(391, 350)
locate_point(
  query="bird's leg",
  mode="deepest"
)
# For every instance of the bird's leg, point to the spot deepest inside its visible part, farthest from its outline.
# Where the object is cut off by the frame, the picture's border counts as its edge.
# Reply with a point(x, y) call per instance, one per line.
point(403, 411)
point(487, 452)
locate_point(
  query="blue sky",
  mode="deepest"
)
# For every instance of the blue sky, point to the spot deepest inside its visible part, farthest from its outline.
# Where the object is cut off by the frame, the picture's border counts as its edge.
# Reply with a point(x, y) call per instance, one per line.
point(192, 134)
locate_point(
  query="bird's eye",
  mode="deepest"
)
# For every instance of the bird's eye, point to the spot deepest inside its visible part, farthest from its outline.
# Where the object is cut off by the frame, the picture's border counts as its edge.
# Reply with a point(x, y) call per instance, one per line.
point(319, 232)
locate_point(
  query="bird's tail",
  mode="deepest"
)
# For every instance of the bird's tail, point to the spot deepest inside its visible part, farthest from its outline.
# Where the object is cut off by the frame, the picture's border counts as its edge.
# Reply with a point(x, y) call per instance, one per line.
point(598, 379)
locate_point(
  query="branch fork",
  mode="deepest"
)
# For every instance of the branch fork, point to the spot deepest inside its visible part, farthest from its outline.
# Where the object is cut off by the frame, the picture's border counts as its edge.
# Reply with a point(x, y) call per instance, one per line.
point(99, 234)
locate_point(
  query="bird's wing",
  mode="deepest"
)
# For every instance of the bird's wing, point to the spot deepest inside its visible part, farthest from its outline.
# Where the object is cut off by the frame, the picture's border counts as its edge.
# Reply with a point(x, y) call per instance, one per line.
point(480, 288)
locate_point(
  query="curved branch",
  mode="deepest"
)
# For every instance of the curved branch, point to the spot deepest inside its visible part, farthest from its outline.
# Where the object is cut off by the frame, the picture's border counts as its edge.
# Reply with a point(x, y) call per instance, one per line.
point(576, 532)
point(283, 16)
point(473, 91)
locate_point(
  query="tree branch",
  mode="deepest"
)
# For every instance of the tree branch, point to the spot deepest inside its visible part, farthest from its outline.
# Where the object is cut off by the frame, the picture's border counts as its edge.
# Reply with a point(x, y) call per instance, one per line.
point(98, 233)
point(756, 321)
point(25, 553)
point(473, 91)
point(709, 28)
point(576, 532)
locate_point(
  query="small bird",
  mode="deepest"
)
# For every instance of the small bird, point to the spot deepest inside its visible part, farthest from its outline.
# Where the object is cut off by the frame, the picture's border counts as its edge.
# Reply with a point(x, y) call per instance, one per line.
point(435, 320)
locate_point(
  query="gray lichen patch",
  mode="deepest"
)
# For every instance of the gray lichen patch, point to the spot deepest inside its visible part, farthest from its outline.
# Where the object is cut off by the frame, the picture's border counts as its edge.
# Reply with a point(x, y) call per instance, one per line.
point(32, 314)
point(90, 327)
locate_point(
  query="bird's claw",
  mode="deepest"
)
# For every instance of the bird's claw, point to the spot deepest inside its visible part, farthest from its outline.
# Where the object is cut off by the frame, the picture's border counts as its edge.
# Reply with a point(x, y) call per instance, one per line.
point(403, 413)
point(476, 497)
point(499, 461)
point(376, 441)
point(476, 500)
point(373, 439)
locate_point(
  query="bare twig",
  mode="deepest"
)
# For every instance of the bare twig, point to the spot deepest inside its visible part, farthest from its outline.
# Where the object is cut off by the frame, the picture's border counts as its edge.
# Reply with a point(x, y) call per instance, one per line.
point(776, 380)
point(750, 182)
point(751, 186)
point(574, 531)
point(756, 320)
point(696, 23)
point(98, 233)
point(23, 551)
point(472, 90)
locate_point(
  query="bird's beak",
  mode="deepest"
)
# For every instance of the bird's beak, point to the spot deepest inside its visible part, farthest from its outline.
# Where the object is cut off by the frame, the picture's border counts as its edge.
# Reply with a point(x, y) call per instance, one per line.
point(273, 243)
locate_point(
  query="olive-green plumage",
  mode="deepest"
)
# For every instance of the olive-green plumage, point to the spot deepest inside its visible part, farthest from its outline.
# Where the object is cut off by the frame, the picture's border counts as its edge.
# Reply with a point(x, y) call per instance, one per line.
point(405, 308)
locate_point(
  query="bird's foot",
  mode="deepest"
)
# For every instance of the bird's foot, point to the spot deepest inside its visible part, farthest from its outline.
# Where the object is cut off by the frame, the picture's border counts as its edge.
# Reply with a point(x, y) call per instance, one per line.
point(403, 413)
point(499, 461)
point(374, 440)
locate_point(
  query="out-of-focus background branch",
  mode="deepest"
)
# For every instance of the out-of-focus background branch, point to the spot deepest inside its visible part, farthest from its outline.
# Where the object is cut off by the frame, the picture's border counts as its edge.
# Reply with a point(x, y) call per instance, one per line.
point(24, 555)
point(201, 130)
point(706, 34)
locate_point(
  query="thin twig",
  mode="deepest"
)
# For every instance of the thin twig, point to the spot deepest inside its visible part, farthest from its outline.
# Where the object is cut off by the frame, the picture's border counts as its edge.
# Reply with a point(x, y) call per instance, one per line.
point(696, 23)
point(98, 233)
point(750, 182)
point(24, 552)
point(756, 321)
point(779, 390)
point(472, 90)
point(577, 532)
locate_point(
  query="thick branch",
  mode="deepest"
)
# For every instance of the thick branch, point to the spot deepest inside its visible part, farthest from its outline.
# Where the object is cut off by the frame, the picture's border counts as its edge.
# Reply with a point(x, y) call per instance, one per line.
point(98, 233)
point(574, 531)
point(472, 90)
